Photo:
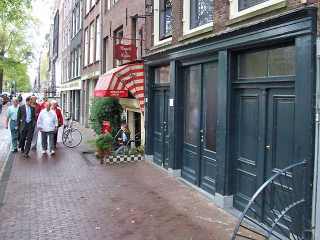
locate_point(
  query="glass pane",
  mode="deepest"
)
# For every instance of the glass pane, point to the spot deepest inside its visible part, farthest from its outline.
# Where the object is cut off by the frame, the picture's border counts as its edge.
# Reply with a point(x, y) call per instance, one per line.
point(244, 4)
point(192, 110)
point(201, 12)
point(162, 74)
point(253, 64)
point(282, 61)
point(210, 79)
point(165, 19)
point(157, 112)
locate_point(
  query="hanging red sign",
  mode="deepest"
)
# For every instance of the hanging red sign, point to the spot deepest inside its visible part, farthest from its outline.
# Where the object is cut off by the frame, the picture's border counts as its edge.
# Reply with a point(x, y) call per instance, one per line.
point(125, 52)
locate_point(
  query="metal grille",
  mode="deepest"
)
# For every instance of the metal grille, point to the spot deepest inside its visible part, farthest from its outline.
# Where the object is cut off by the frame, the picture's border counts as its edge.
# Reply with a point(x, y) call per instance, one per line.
point(277, 210)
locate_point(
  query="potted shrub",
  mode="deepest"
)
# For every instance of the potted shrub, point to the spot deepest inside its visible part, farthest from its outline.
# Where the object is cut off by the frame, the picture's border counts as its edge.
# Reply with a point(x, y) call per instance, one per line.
point(103, 144)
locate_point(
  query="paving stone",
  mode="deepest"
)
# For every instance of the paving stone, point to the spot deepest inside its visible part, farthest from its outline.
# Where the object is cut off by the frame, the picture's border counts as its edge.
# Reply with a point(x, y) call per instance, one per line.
point(62, 197)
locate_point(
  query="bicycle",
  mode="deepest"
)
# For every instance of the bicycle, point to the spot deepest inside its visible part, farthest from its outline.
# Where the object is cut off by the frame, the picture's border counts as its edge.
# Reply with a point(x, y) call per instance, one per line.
point(71, 137)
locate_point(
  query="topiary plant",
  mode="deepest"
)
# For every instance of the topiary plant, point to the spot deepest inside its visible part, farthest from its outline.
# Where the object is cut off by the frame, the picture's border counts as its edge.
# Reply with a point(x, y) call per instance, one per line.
point(105, 109)
point(103, 144)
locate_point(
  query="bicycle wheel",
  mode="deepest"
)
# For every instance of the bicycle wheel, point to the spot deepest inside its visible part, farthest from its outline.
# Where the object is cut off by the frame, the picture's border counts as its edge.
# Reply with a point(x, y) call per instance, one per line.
point(72, 138)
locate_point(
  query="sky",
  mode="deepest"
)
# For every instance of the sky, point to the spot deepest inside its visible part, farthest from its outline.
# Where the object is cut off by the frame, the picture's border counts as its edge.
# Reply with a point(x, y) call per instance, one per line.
point(41, 10)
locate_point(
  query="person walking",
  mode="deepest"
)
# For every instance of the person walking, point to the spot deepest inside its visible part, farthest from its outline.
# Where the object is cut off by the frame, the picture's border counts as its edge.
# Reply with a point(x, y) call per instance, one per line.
point(11, 120)
point(47, 124)
point(1, 103)
point(58, 112)
point(37, 108)
point(26, 118)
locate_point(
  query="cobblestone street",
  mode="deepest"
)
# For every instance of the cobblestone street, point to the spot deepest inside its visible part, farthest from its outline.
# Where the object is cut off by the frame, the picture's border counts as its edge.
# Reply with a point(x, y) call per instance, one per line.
point(70, 196)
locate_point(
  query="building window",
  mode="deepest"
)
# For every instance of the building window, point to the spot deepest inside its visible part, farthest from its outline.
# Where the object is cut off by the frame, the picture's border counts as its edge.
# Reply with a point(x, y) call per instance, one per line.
point(86, 47)
point(79, 61)
point(92, 43)
point(98, 40)
point(242, 7)
point(165, 18)
point(87, 6)
point(244, 4)
point(118, 37)
point(201, 12)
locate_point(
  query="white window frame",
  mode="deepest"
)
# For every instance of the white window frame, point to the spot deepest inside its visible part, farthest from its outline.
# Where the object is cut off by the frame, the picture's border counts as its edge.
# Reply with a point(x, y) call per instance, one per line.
point(86, 47)
point(156, 25)
point(92, 42)
point(234, 10)
point(187, 19)
point(98, 40)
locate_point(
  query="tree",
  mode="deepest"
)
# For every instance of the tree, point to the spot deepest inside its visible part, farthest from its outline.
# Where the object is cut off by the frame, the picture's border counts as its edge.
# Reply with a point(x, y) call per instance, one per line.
point(15, 51)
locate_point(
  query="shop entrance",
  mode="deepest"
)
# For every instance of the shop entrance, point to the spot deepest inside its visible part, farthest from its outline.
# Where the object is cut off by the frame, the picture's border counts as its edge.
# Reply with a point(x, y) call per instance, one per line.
point(263, 127)
point(199, 164)
point(160, 119)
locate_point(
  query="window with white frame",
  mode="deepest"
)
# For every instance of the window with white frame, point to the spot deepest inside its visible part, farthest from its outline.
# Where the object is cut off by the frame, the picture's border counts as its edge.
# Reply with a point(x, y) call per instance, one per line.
point(88, 6)
point(201, 12)
point(98, 36)
point(165, 19)
point(198, 14)
point(92, 43)
point(162, 24)
point(86, 47)
point(79, 61)
point(242, 7)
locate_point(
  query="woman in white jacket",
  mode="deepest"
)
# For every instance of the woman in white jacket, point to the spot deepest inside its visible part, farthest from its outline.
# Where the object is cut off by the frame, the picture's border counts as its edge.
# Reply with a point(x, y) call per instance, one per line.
point(47, 124)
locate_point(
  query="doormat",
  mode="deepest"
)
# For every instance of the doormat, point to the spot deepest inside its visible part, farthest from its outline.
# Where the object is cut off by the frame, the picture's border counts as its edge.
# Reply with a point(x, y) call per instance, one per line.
point(113, 160)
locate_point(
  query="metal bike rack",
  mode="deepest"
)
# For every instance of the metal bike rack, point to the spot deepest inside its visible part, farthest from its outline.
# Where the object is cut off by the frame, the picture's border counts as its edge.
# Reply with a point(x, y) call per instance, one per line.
point(275, 217)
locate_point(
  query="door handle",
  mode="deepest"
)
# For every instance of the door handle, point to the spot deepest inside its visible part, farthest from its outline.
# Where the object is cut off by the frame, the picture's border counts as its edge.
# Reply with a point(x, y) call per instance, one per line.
point(268, 147)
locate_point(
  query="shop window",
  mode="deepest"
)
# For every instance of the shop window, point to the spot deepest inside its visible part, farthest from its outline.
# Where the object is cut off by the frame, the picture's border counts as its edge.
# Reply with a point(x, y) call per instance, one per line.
point(267, 63)
point(165, 18)
point(201, 12)
point(162, 75)
point(244, 4)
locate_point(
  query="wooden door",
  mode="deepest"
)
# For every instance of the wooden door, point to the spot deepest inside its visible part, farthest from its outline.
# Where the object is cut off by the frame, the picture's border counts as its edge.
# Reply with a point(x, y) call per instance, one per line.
point(160, 119)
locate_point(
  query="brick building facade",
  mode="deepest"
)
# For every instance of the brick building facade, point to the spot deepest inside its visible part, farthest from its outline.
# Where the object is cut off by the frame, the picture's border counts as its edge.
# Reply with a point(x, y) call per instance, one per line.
point(230, 94)
point(123, 23)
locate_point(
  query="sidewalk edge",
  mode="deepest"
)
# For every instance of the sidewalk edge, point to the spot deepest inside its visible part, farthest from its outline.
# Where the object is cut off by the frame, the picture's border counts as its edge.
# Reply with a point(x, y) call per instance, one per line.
point(5, 163)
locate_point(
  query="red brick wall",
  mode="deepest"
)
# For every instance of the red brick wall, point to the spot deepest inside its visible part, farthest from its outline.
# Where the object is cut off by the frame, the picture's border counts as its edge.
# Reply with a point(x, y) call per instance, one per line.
point(120, 15)
point(221, 17)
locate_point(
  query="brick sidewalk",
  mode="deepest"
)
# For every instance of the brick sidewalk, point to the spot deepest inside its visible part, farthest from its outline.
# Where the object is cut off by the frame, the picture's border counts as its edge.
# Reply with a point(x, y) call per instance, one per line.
point(71, 197)
point(4, 139)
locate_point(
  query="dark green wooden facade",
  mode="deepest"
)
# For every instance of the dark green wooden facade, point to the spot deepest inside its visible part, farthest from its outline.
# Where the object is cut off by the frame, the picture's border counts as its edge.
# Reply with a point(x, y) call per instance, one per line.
point(252, 115)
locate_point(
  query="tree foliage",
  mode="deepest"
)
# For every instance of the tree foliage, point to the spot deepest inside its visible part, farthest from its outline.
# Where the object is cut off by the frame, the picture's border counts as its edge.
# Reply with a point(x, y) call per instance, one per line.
point(15, 50)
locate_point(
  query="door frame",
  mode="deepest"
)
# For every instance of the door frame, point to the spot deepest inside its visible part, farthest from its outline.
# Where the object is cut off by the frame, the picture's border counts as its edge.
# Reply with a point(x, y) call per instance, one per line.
point(162, 88)
point(200, 60)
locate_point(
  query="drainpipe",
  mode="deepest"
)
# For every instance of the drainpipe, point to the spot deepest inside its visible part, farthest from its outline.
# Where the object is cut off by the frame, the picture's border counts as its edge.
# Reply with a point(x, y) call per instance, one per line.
point(316, 189)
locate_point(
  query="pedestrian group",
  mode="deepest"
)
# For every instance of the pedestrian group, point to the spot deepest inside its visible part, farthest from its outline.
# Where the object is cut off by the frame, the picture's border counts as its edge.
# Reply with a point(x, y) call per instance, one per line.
point(28, 119)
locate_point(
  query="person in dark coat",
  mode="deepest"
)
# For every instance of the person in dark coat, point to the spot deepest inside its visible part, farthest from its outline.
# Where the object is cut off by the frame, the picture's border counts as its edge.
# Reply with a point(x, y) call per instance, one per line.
point(26, 123)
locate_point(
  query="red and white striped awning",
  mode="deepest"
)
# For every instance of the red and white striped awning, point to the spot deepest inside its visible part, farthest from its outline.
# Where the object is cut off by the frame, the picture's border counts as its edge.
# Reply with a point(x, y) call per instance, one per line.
point(121, 80)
